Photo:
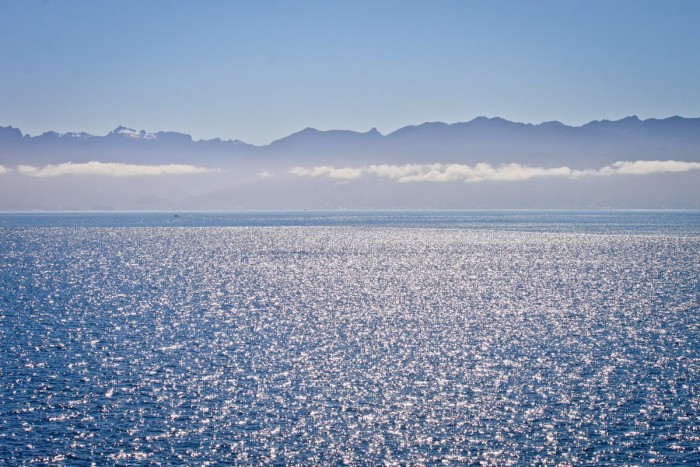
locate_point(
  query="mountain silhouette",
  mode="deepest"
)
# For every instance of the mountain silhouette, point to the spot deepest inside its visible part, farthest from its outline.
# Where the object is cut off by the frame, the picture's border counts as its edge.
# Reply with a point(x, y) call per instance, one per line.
point(318, 169)
point(492, 140)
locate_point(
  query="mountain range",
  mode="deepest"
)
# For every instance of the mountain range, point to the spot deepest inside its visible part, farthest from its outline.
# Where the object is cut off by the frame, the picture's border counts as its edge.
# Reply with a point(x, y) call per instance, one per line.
point(350, 169)
point(492, 140)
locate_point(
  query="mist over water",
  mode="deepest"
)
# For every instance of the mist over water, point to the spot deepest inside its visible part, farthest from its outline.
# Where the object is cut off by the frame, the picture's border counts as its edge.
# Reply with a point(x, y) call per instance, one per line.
point(502, 337)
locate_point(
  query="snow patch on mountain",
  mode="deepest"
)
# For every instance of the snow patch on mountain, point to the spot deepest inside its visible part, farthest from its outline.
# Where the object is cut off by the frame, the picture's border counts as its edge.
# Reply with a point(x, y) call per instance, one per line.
point(131, 133)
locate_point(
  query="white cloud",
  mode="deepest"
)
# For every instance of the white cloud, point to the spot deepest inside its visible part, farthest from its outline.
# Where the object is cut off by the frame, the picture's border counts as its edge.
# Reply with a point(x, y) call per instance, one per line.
point(480, 172)
point(113, 169)
point(3, 170)
point(265, 174)
point(648, 167)
point(329, 171)
point(397, 172)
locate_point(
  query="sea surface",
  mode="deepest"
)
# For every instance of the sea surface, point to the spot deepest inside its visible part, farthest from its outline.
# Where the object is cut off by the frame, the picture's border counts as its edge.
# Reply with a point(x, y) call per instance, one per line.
point(361, 338)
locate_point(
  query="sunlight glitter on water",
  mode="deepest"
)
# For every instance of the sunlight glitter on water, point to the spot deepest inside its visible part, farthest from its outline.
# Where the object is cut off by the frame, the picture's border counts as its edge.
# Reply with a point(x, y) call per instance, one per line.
point(348, 345)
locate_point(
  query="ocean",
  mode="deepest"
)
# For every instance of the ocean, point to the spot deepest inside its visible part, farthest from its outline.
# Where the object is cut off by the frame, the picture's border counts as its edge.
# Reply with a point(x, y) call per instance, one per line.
point(495, 337)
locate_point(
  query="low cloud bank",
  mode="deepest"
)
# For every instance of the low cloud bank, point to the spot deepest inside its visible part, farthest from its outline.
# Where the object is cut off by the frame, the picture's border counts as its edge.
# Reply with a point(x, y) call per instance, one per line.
point(113, 169)
point(341, 174)
point(408, 173)
point(3, 170)
point(649, 167)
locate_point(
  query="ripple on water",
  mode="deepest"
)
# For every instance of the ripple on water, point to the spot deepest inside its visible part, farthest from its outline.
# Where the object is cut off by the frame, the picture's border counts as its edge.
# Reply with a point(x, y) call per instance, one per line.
point(347, 344)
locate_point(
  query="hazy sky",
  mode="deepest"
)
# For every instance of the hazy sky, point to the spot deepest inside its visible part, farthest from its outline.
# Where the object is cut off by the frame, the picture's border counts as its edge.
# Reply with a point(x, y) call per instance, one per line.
point(259, 70)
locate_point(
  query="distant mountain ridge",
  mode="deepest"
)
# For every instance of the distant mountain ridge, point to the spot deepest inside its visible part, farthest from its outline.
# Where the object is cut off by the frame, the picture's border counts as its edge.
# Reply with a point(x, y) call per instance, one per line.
point(493, 140)
point(334, 169)
point(631, 123)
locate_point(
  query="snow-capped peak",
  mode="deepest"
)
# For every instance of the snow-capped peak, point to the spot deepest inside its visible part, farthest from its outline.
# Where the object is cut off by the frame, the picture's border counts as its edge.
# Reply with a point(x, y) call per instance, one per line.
point(131, 133)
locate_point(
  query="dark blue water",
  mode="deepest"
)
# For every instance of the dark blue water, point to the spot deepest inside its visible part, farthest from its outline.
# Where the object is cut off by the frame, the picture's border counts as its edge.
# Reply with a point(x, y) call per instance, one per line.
point(362, 338)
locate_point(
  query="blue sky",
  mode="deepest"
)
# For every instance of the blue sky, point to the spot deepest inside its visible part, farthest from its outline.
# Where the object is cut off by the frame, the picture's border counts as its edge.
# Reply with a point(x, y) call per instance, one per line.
point(260, 70)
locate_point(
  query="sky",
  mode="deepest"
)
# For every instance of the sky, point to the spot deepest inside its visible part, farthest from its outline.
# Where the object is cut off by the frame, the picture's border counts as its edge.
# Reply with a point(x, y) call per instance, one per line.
point(260, 70)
